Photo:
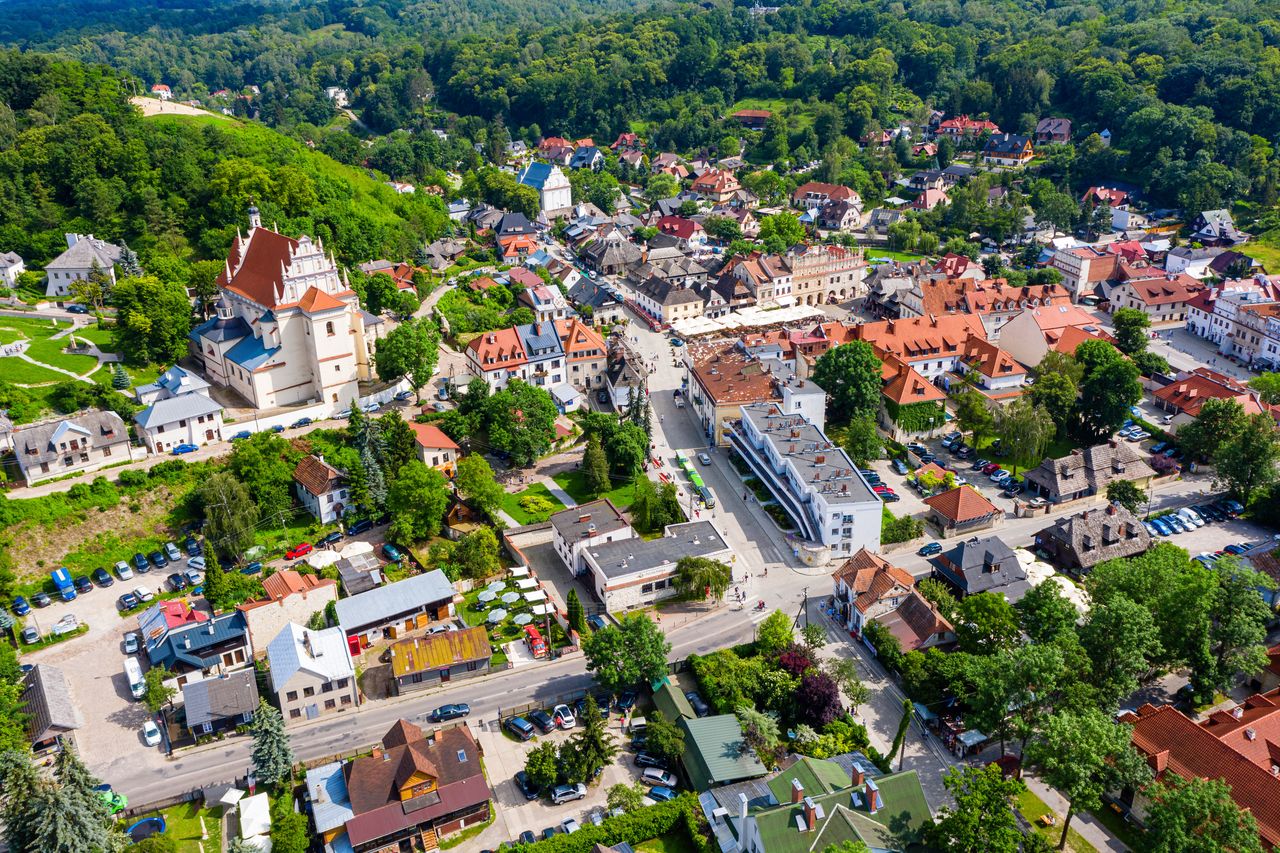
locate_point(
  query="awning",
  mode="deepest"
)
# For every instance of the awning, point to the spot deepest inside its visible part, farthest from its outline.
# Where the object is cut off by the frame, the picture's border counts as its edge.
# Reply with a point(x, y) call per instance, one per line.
point(542, 610)
point(526, 583)
point(973, 737)
point(925, 714)
point(520, 572)
point(536, 595)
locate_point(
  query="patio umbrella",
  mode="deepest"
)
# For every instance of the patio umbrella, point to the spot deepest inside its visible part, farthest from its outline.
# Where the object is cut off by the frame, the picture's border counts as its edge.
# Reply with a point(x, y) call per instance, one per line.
point(510, 597)
point(351, 549)
point(497, 615)
point(522, 619)
point(541, 609)
point(535, 596)
point(497, 586)
point(487, 596)
point(520, 571)
point(322, 559)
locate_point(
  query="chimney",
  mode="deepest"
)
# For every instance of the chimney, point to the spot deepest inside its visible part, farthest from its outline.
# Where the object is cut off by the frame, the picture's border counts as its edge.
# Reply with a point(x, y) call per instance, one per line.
point(377, 752)
point(1237, 712)
point(584, 518)
point(742, 811)
point(874, 801)
point(1250, 734)
point(186, 642)
point(810, 815)
point(856, 776)
point(797, 791)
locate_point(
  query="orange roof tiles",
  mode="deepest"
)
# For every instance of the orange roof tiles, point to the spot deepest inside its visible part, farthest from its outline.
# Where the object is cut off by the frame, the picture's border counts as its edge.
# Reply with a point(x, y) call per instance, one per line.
point(989, 360)
point(257, 273)
point(579, 340)
point(1066, 340)
point(317, 476)
point(316, 299)
point(432, 437)
point(962, 504)
point(729, 376)
point(906, 385)
point(285, 583)
point(1188, 394)
point(1163, 291)
point(920, 337)
point(499, 349)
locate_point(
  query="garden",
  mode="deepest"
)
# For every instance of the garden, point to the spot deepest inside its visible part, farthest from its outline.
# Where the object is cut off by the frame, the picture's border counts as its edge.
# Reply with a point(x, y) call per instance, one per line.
point(502, 608)
point(532, 505)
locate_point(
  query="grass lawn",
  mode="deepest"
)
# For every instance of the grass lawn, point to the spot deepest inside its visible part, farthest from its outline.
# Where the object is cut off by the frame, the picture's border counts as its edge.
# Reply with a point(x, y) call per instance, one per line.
point(674, 841)
point(511, 503)
point(100, 336)
point(1033, 808)
point(1266, 248)
point(50, 352)
point(575, 483)
point(25, 373)
point(1119, 827)
point(799, 121)
point(33, 327)
point(1057, 448)
point(874, 253)
point(182, 824)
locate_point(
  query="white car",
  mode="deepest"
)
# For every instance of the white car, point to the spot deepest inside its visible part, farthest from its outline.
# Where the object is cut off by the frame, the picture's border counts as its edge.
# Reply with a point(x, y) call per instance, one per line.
point(563, 716)
point(704, 459)
point(1190, 516)
point(124, 571)
point(570, 825)
point(144, 594)
point(196, 563)
point(151, 733)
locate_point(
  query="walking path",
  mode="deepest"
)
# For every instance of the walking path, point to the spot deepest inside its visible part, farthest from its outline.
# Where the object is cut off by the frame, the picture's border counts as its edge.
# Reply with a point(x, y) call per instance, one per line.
point(1085, 824)
point(558, 493)
point(73, 375)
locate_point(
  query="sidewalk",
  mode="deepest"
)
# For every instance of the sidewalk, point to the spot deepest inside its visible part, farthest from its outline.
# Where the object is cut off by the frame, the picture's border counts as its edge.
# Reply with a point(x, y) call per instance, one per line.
point(1085, 824)
point(558, 493)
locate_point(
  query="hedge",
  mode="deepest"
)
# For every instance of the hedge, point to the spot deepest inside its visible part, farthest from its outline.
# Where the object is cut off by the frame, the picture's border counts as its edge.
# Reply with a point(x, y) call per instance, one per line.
point(633, 828)
point(916, 417)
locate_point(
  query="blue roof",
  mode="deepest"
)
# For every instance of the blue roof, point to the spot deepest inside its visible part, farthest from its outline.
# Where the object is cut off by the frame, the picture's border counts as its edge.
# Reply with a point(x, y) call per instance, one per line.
point(535, 175)
point(250, 353)
point(539, 339)
point(173, 409)
point(539, 258)
point(584, 157)
point(187, 644)
point(219, 330)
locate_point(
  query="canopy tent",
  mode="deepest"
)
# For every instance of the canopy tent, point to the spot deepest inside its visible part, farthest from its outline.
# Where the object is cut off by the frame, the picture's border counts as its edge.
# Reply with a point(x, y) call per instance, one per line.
point(255, 816)
point(352, 549)
point(519, 571)
point(526, 583)
point(535, 596)
point(497, 586)
point(542, 610)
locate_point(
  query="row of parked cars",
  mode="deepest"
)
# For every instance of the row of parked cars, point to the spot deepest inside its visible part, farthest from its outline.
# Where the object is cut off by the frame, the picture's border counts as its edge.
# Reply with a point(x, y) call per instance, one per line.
point(1191, 517)
point(883, 492)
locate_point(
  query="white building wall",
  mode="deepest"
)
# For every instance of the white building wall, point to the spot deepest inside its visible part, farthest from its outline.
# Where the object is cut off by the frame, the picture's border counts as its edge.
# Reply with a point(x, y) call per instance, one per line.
point(200, 430)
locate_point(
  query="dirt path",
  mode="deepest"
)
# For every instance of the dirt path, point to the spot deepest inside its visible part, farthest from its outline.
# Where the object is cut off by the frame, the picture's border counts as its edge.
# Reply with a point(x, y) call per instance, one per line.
point(155, 107)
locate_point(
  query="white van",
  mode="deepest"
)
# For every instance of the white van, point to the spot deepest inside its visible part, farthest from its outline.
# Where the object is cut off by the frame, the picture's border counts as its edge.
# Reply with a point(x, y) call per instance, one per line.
point(133, 672)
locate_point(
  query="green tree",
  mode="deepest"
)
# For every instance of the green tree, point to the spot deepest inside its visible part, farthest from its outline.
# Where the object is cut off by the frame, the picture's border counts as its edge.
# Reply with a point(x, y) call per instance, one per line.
point(410, 352)
point(477, 554)
point(847, 847)
point(265, 462)
point(982, 819)
point(18, 812)
point(668, 508)
point(698, 577)
point(1268, 387)
point(1128, 495)
point(520, 420)
point(644, 503)
point(1056, 393)
point(1027, 428)
point(231, 516)
point(862, 440)
point(271, 753)
point(1132, 327)
point(1045, 613)
point(475, 479)
point(542, 763)
point(844, 672)
point(417, 503)
point(1247, 461)
point(1197, 816)
point(814, 636)
point(899, 744)
point(628, 653)
point(1109, 388)
point(1238, 620)
point(781, 231)
point(775, 633)
point(1217, 422)
point(152, 320)
point(940, 595)
point(1120, 638)
point(850, 374)
point(157, 694)
point(591, 746)
point(595, 467)
point(626, 796)
point(289, 831)
point(1082, 754)
point(577, 615)
point(82, 821)
point(974, 415)
point(986, 623)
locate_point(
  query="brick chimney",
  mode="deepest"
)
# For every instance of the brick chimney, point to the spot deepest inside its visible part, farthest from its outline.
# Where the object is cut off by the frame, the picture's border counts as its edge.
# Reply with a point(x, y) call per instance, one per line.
point(874, 801)
point(797, 791)
point(810, 815)
point(857, 776)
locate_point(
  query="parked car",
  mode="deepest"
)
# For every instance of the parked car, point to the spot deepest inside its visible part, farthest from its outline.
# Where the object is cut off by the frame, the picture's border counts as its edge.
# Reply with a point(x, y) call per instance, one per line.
point(370, 408)
point(926, 458)
point(158, 559)
point(20, 606)
point(1189, 516)
point(550, 832)
point(963, 452)
point(929, 549)
point(450, 712)
point(302, 549)
point(999, 474)
point(83, 584)
point(191, 545)
point(150, 733)
point(1151, 529)
point(596, 622)
point(77, 308)
point(699, 705)
point(193, 577)
point(648, 759)
point(626, 700)
point(1037, 502)
point(329, 539)
point(391, 552)
point(1235, 549)
point(300, 422)
point(527, 837)
point(563, 717)
point(40, 599)
point(196, 563)
point(132, 643)
point(570, 825)
point(657, 776)
point(1163, 526)
point(171, 551)
point(900, 467)
point(520, 727)
point(241, 435)
point(360, 526)
point(140, 563)
point(562, 794)
point(177, 582)
point(526, 786)
point(1158, 447)
point(128, 601)
point(342, 415)
point(103, 577)
point(179, 449)
point(30, 634)
point(661, 793)
point(277, 428)
point(542, 720)
point(143, 594)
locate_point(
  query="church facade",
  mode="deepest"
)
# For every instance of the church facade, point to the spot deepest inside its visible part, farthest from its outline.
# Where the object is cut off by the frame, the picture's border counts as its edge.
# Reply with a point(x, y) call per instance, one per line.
point(288, 328)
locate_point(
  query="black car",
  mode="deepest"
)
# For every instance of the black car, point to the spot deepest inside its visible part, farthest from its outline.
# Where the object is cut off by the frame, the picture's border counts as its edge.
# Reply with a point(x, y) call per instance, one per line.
point(602, 705)
point(330, 538)
point(639, 741)
point(626, 701)
point(602, 397)
point(177, 582)
point(926, 458)
point(359, 526)
point(700, 707)
point(930, 549)
point(964, 452)
point(648, 759)
point(526, 786)
point(128, 601)
point(83, 584)
point(140, 563)
point(158, 559)
point(450, 712)
point(40, 600)
point(192, 546)
point(542, 720)
point(527, 837)
point(102, 577)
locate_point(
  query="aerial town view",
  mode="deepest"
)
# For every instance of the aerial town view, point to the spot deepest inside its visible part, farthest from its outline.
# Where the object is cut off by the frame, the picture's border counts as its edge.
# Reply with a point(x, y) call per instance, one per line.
point(844, 426)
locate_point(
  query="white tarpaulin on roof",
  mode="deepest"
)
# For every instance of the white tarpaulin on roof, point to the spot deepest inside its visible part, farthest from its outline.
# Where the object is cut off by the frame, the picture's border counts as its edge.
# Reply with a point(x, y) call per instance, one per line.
point(745, 318)
point(354, 548)
point(255, 816)
point(520, 572)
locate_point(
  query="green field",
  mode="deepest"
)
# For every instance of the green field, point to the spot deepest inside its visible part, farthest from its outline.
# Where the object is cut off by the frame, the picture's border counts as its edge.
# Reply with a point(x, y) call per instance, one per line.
point(49, 351)
point(575, 483)
point(1033, 808)
point(511, 503)
point(801, 119)
point(903, 257)
point(101, 337)
point(25, 373)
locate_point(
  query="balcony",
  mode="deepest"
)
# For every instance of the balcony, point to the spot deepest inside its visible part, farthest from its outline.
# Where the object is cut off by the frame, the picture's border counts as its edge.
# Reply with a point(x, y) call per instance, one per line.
point(775, 483)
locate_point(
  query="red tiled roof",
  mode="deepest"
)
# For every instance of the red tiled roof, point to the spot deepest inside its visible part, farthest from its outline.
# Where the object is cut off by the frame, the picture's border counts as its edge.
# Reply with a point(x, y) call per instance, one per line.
point(578, 339)
point(953, 264)
point(920, 338)
point(317, 476)
point(1162, 291)
point(491, 348)
point(316, 299)
point(1112, 197)
point(256, 274)
point(179, 613)
point(1066, 340)
point(835, 192)
point(715, 181)
point(285, 583)
point(869, 577)
point(964, 124)
point(432, 437)
point(908, 385)
point(678, 226)
point(914, 622)
point(752, 114)
point(961, 504)
point(989, 360)
point(524, 276)
point(1173, 743)
point(1189, 393)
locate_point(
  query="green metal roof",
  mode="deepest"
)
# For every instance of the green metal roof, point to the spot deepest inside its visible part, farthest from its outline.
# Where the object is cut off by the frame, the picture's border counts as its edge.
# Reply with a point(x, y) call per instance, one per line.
point(818, 776)
point(844, 819)
point(715, 754)
point(668, 699)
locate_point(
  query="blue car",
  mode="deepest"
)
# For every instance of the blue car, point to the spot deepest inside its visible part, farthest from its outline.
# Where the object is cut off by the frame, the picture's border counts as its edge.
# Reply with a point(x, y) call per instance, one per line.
point(596, 621)
point(392, 553)
point(278, 428)
point(1234, 549)
point(1163, 526)
point(20, 606)
point(179, 449)
point(77, 309)
point(930, 549)
point(241, 435)
point(662, 793)
point(252, 569)
point(301, 422)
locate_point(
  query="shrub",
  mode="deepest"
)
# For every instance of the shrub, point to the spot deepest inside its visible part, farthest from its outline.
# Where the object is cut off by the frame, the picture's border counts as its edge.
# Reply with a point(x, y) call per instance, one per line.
point(634, 827)
point(894, 529)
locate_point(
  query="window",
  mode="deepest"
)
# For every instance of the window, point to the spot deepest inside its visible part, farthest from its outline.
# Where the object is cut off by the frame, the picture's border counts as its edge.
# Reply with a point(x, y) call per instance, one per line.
point(346, 699)
point(337, 368)
point(647, 588)
point(294, 713)
point(462, 756)
point(308, 691)
point(328, 328)
point(292, 696)
point(327, 687)
point(329, 704)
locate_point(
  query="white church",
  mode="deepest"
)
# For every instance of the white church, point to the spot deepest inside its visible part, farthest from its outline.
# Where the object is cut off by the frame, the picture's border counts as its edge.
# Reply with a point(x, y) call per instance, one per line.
point(288, 329)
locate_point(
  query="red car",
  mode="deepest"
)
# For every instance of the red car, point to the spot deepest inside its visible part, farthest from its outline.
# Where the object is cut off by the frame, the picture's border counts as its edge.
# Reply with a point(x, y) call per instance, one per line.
point(988, 469)
point(300, 550)
point(882, 490)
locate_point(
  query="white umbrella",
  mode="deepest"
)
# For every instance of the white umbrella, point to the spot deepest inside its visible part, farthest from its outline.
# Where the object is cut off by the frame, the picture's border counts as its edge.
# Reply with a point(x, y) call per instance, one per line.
point(520, 571)
point(536, 595)
point(522, 619)
point(497, 586)
point(487, 596)
point(526, 583)
point(510, 597)
point(542, 609)
point(322, 559)
point(497, 615)
point(354, 548)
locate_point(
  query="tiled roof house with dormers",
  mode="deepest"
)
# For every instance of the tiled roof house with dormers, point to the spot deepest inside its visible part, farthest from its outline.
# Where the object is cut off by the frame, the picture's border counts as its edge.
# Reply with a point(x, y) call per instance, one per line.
point(288, 327)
